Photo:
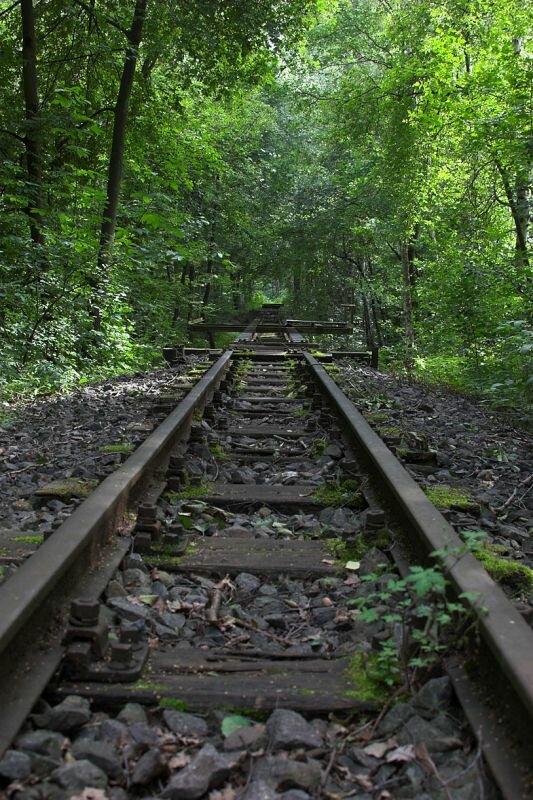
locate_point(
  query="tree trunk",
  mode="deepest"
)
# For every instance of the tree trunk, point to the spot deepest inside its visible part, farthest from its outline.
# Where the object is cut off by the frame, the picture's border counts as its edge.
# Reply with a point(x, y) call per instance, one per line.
point(32, 137)
point(518, 201)
point(407, 286)
point(116, 156)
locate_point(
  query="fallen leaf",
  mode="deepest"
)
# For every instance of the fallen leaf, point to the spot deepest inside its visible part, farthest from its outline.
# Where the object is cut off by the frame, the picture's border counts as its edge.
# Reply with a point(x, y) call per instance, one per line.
point(329, 561)
point(352, 565)
point(404, 753)
point(378, 749)
point(352, 580)
point(363, 781)
point(224, 794)
point(179, 761)
point(233, 723)
point(327, 601)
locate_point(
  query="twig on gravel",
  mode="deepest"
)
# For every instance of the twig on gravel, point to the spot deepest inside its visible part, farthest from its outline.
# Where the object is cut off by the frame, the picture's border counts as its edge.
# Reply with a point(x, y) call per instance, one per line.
point(326, 772)
point(212, 611)
point(525, 482)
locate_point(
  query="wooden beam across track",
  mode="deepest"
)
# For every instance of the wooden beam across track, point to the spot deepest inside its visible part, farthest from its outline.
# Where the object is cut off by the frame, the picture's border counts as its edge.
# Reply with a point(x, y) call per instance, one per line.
point(270, 327)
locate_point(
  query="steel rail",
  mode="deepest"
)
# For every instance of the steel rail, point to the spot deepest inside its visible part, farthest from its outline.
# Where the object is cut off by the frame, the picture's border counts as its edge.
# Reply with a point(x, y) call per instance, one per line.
point(33, 583)
point(507, 635)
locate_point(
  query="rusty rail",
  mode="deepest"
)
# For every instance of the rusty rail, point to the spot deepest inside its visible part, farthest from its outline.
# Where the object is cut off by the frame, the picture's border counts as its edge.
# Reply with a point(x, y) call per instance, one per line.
point(505, 633)
point(37, 593)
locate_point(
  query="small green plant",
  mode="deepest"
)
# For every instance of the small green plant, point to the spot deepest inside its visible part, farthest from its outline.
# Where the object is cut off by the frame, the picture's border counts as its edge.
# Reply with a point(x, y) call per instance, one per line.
point(218, 452)
point(423, 616)
point(339, 494)
point(317, 447)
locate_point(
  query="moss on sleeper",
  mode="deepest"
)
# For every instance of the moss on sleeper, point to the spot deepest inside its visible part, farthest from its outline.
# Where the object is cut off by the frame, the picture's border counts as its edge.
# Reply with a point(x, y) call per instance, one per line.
point(366, 687)
point(516, 576)
point(37, 539)
point(116, 448)
point(452, 497)
point(173, 703)
point(192, 492)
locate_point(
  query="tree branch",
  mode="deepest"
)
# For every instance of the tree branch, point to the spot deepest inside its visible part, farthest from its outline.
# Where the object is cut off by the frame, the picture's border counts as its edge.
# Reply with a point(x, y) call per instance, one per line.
point(92, 14)
point(9, 8)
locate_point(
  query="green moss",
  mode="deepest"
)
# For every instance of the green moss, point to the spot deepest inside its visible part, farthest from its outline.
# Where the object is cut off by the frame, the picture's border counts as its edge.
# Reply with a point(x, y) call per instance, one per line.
point(341, 494)
point(517, 577)
point(174, 703)
point(116, 448)
point(390, 432)
point(451, 497)
point(37, 539)
point(344, 551)
point(301, 412)
point(148, 686)
point(376, 417)
point(366, 686)
point(191, 491)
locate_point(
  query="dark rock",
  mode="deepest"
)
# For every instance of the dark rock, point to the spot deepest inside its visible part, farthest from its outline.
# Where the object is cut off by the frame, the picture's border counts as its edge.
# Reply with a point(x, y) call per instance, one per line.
point(283, 773)
point(287, 729)
point(259, 790)
point(45, 743)
point(112, 730)
point(70, 714)
point(372, 562)
point(208, 770)
point(247, 738)
point(101, 754)
point(134, 561)
point(126, 610)
point(435, 695)
point(436, 740)
point(132, 713)
point(245, 582)
point(184, 724)
point(15, 766)
point(333, 451)
point(395, 718)
point(150, 765)
point(324, 614)
point(80, 775)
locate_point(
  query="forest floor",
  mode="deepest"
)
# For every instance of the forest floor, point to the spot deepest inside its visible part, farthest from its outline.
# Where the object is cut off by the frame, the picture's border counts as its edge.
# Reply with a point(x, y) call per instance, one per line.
point(87, 433)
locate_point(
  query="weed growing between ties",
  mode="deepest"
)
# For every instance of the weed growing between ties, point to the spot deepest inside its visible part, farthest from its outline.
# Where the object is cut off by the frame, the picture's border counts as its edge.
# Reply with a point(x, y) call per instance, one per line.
point(339, 494)
point(423, 622)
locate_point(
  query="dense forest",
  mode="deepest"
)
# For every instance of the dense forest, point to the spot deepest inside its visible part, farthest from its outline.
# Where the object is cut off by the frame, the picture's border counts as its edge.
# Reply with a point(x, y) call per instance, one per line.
point(164, 159)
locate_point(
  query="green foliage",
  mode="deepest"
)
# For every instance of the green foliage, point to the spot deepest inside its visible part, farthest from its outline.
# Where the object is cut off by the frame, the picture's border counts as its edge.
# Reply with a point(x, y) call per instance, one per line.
point(418, 607)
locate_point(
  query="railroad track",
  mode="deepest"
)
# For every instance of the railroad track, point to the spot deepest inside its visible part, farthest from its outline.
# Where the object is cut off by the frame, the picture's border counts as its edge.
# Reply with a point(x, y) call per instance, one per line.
point(231, 587)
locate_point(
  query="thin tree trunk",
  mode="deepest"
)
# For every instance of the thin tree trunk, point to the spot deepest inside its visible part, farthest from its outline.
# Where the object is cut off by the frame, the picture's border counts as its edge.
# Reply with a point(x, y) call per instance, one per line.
point(32, 136)
point(116, 157)
point(519, 206)
point(409, 331)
